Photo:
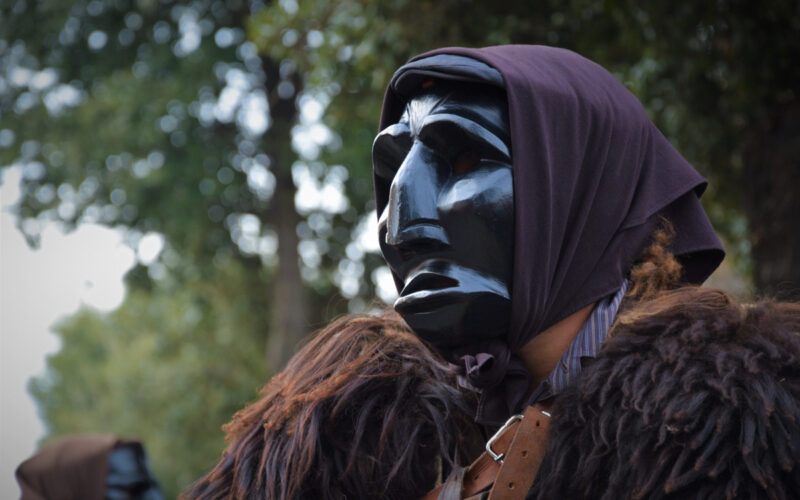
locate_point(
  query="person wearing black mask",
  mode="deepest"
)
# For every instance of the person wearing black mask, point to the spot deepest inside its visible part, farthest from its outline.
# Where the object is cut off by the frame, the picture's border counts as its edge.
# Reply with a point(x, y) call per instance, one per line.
point(517, 187)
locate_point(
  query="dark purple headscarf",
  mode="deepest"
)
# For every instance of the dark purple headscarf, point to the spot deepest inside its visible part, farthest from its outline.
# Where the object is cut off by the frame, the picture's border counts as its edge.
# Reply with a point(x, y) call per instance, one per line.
point(592, 175)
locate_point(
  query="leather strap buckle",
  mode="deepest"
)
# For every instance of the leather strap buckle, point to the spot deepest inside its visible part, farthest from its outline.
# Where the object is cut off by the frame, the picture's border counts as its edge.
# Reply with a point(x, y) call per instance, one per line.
point(498, 457)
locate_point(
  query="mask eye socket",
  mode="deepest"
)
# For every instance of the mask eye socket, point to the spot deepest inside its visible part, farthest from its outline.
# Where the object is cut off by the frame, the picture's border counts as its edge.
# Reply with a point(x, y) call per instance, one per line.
point(464, 143)
point(389, 150)
point(465, 162)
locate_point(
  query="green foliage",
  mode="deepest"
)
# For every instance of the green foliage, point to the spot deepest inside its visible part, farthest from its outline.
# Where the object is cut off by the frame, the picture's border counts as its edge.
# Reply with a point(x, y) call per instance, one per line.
point(136, 129)
point(168, 367)
point(141, 147)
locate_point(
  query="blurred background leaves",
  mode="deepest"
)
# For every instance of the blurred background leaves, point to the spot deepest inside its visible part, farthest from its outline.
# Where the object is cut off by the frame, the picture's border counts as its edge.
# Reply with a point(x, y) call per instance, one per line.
point(236, 135)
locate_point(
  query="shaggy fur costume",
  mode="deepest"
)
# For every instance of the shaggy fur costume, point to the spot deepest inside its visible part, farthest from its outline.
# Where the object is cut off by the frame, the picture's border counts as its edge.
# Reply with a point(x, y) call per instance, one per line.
point(693, 396)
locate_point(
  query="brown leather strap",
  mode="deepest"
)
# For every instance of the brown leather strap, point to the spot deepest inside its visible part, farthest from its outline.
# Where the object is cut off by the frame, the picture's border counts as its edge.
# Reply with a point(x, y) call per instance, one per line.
point(522, 447)
point(523, 458)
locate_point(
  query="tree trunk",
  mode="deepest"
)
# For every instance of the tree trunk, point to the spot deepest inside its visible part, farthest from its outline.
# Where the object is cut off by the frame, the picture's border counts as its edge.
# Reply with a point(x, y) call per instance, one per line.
point(290, 316)
point(772, 195)
point(289, 320)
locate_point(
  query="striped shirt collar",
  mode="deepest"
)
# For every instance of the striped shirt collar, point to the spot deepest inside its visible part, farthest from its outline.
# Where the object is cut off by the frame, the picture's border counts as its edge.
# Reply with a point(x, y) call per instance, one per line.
point(586, 344)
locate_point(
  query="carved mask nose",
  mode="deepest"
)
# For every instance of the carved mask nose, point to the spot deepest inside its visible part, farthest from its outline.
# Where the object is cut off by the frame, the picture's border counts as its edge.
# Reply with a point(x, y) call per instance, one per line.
point(412, 223)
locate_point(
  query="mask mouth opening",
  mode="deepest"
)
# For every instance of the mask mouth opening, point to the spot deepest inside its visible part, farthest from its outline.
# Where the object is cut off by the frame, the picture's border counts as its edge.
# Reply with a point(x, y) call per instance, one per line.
point(428, 281)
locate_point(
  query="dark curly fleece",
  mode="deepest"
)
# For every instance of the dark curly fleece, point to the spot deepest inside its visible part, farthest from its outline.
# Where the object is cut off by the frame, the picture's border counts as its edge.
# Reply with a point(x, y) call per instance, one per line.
point(694, 396)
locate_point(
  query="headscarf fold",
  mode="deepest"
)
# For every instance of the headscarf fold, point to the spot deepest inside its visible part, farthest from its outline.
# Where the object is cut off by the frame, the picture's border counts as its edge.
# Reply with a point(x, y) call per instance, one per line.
point(592, 176)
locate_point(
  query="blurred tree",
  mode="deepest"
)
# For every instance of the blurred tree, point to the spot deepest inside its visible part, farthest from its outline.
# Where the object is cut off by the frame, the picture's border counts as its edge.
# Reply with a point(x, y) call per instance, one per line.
point(159, 117)
point(721, 79)
point(168, 367)
point(102, 95)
